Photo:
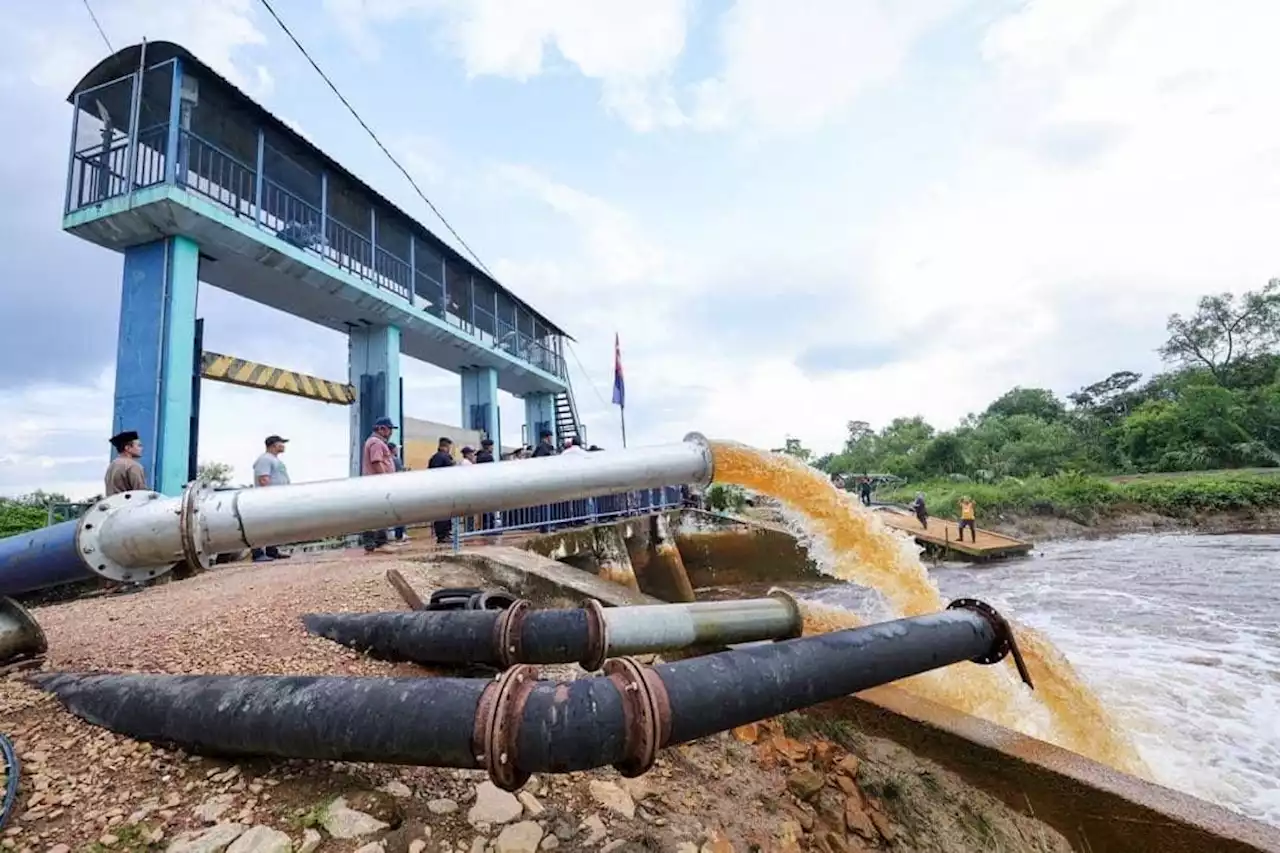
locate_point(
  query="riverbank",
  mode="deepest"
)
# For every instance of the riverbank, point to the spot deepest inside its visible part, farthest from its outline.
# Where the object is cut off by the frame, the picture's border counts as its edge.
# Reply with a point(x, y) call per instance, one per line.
point(782, 786)
point(1073, 506)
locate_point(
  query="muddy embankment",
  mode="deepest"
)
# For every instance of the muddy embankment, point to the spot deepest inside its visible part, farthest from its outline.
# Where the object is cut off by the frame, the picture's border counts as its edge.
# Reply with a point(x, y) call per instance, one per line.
point(1044, 528)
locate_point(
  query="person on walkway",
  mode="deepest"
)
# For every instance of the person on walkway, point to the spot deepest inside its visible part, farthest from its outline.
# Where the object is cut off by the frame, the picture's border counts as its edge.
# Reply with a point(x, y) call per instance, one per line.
point(442, 458)
point(922, 513)
point(967, 519)
point(125, 473)
point(546, 444)
point(375, 459)
point(398, 534)
point(468, 456)
point(270, 470)
point(864, 490)
point(486, 452)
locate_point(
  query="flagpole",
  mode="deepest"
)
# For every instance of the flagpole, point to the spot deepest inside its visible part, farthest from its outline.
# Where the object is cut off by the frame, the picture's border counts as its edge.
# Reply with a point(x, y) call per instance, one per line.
point(622, 416)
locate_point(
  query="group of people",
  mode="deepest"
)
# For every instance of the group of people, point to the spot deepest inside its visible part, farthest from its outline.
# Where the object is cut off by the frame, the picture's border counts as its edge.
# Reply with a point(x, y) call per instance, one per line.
point(968, 518)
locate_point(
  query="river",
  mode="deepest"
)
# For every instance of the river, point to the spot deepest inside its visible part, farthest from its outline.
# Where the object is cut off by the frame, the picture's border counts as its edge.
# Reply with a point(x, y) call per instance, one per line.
point(1178, 635)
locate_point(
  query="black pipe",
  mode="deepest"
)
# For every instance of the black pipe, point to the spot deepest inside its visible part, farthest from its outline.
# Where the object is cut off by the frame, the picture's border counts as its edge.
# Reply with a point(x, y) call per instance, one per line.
point(516, 725)
point(465, 636)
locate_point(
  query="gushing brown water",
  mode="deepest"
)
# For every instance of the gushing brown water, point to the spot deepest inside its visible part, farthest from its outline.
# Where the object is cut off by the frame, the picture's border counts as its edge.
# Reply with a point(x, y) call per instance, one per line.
point(851, 544)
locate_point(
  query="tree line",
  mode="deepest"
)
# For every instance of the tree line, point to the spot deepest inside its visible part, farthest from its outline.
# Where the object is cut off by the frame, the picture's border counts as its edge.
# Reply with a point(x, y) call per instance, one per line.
point(1217, 406)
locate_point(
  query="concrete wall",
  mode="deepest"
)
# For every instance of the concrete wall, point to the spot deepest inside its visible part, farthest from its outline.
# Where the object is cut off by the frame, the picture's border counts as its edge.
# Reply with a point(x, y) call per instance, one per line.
point(722, 552)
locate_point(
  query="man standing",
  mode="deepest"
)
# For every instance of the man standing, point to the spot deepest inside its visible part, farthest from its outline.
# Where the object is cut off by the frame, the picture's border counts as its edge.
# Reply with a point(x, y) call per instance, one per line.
point(442, 458)
point(546, 444)
point(486, 452)
point(967, 519)
point(125, 473)
point(376, 458)
point(864, 490)
point(269, 470)
point(398, 533)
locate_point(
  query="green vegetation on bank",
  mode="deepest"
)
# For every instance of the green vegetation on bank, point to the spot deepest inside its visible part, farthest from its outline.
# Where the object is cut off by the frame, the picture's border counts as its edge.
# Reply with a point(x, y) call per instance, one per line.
point(1085, 499)
point(1217, 407)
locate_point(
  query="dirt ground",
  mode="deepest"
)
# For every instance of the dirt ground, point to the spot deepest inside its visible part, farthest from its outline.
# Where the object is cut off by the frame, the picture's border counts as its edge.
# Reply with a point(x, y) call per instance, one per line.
point(781, 785)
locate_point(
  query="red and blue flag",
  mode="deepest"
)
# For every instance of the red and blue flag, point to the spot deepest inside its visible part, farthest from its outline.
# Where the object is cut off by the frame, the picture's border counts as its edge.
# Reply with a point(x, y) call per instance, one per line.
point(619, 387)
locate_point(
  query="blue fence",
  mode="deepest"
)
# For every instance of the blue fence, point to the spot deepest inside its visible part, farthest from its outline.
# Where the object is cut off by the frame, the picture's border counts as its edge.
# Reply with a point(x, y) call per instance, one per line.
point(582, 512)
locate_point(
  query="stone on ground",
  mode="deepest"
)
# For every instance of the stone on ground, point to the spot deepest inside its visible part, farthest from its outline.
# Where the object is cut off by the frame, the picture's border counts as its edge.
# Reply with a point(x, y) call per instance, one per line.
point(520, 837)
point(213, 840)
point(341, 821)
point(609, 795)
point(262, 839)
point(494, 805)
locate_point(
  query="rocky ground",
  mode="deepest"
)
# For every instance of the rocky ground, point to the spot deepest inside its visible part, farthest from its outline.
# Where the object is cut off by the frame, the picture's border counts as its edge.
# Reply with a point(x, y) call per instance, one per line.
point(781, 785)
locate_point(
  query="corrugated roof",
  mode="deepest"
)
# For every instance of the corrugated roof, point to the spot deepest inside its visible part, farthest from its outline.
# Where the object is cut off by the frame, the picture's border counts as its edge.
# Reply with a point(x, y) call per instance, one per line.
point(126, 60)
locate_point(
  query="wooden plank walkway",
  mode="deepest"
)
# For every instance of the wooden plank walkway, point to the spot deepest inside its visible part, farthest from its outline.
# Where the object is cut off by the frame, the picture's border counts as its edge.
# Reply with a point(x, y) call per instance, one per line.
point(945, 534)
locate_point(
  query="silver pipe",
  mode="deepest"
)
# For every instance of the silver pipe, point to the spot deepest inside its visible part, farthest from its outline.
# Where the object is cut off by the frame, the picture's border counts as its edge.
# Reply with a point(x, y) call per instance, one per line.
point(659, 627)
point(140, 530)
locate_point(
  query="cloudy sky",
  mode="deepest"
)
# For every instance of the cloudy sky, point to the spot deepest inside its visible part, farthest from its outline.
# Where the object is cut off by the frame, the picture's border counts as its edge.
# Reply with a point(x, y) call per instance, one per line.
point(794, 214)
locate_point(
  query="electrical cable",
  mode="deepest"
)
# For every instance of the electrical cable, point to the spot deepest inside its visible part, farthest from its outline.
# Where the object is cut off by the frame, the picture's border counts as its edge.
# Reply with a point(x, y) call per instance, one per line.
point(374, 137)
point(586, 375)
point(101, 31)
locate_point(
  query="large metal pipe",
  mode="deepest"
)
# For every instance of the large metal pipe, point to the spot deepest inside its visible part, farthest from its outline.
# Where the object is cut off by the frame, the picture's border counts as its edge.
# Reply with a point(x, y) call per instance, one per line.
point(587, 636)
point(516, 725)
point(21, 638)
point(136, 535)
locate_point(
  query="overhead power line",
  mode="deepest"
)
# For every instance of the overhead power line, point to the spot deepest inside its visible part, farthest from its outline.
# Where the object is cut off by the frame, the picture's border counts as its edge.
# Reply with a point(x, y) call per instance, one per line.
point(101, 31)
point(372, 135)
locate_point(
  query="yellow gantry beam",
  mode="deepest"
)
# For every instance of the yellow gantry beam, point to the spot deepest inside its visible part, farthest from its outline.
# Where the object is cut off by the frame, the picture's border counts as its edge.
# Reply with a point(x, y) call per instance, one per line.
point(237, 371)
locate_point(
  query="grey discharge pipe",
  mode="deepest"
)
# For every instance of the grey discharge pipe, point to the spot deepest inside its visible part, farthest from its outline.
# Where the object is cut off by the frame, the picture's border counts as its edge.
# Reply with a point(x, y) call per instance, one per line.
point(586, 636)
point(517, 725)
point(134, 536)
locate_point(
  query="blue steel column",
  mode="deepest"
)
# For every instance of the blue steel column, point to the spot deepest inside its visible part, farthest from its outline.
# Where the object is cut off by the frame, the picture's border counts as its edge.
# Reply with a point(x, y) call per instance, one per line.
point(374, 369)
point(480, 401)
point(153, 355)
point(540, 414)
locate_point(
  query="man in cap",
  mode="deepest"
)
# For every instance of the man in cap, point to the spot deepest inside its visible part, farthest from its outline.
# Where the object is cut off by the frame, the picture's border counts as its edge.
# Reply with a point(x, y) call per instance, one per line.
point(376, 458)
point(486, 451)
point(269, 470)
point(442, 458)
point(125, 473)
point(546, 444)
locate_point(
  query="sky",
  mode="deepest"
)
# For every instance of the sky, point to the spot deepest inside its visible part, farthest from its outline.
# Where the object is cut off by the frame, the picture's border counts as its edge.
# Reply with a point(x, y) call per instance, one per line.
point(793, 215)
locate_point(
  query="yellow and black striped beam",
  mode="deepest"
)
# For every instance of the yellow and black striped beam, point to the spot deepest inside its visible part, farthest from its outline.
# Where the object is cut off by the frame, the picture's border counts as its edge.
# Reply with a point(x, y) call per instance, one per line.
point(237, 371)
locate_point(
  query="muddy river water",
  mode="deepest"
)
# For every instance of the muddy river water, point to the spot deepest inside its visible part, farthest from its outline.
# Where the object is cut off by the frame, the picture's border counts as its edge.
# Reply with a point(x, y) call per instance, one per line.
point(1178, 635)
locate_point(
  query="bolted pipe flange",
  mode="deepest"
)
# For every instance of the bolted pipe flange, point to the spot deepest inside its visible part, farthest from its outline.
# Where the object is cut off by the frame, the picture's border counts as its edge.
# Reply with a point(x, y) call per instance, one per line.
point(797, 614)
point(1005, 642)
point(646, 710)
point(497, 726)
point(597, 636)
point(506, 633)
point(89, 538)
point(191, 527)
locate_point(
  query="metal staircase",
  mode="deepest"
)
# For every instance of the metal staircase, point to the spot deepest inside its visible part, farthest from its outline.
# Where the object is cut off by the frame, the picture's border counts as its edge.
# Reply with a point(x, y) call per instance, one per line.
point(568, 424)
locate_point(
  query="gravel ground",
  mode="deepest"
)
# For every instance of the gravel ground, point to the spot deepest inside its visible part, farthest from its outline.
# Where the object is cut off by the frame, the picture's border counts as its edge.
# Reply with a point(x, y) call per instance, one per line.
point(86, 789)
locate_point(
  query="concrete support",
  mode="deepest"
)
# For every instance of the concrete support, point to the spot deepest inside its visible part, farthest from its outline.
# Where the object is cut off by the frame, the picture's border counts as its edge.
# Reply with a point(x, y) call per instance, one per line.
point(373, 363)
point(539, 414)
point(480, 402)
point(154, 356)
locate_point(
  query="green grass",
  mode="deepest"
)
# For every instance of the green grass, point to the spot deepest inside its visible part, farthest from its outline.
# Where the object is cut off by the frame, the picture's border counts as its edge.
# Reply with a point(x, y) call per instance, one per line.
point(1084, 498)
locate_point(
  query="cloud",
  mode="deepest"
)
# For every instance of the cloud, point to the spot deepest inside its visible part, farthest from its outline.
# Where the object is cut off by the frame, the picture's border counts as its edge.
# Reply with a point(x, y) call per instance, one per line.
point(792, 68)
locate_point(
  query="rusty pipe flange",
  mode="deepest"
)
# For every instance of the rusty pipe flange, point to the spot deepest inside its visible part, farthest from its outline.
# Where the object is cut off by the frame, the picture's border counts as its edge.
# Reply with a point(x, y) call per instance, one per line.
point(506, 633)
point(497, 726)
point(189, 527)
point(597, 636)
point(797, 613)
point(1005, 643)
point(646, 713)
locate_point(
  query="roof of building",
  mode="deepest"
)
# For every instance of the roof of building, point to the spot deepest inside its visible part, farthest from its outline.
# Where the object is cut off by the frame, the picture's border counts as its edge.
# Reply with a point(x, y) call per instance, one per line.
point(126, 61)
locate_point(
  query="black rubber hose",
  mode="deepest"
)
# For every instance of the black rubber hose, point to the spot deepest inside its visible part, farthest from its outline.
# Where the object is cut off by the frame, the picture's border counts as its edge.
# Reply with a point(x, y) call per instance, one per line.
point(12, 770)
point(422, 721)
point(718, 692)
point(456, 636)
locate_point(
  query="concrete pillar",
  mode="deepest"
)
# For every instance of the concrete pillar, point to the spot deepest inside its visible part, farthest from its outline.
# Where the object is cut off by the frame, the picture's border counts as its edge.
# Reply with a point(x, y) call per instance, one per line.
point(480, 402)
point(154, 361)
point(539, 414)
point(373, 367)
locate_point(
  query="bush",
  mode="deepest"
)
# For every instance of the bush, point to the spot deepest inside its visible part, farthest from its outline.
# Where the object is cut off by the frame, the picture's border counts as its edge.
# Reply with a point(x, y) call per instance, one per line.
point(1081, 497)
point(19, 517)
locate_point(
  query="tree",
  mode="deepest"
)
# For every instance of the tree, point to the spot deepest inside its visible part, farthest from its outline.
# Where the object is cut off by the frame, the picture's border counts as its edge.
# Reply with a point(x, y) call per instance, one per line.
point(795, 448)
point(216, 474)
point(1037, 402)
point(1224, 330)
point(1109, 395)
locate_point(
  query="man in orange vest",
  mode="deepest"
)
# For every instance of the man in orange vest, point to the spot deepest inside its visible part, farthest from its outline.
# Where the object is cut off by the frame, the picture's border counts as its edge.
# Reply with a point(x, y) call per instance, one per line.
point(967, 519)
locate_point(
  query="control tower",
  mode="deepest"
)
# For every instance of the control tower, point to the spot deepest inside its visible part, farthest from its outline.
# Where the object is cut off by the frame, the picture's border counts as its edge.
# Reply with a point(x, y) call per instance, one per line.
point(192, 181)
